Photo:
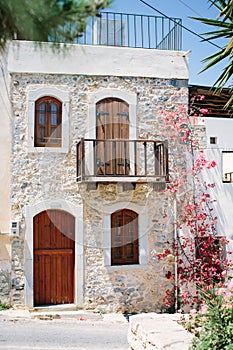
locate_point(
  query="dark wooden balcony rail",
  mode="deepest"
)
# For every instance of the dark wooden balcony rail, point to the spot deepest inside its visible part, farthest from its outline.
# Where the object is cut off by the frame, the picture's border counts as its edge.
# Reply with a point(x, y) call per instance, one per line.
point(141, 160)
point(131, 30)
point(228, 177)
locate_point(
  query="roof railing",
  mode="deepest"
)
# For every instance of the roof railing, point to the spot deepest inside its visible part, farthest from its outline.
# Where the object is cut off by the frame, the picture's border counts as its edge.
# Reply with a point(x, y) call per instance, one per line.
point(132, 30)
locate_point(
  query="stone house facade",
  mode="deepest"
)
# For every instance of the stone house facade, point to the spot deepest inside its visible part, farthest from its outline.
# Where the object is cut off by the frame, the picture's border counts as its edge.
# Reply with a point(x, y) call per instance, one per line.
point(87, 214)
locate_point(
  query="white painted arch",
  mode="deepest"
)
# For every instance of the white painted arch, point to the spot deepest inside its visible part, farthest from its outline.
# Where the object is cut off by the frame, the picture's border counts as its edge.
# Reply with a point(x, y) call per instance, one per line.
point(128, 97)
point(76, 210)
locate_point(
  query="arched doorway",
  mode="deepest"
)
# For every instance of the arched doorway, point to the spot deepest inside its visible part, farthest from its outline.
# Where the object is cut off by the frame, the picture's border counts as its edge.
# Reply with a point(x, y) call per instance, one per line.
point(54, 257)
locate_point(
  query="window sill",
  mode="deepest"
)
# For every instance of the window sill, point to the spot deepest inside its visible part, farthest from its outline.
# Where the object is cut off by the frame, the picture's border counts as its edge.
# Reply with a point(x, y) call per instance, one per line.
point(127, 267)
point(48, 149)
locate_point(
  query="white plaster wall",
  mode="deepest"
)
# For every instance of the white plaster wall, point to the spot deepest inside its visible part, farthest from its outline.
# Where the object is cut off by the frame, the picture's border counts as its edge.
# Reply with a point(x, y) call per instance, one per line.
point(28, 57)
point(222, 129)
point(5, 144)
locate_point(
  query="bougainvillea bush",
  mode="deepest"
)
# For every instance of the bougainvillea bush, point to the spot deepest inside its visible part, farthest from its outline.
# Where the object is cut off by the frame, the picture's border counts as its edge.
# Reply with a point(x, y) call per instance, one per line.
point(200, 254)
point(212, 325)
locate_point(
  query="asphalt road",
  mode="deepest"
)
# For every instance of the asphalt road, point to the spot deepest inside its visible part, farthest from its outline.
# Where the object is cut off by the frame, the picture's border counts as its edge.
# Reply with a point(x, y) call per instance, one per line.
point(62, 335)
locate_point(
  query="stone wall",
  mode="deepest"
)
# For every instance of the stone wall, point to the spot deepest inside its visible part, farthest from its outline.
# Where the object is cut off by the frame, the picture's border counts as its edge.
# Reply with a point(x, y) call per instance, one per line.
point(5, 286)
point(5, 268)
point(128, 288)
point(157, 332)
point(40, 176)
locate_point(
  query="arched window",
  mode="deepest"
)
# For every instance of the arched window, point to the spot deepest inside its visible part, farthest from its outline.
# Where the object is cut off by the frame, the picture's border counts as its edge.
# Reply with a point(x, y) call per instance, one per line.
point(124, 237)
point(48, 120)
point(112, 127)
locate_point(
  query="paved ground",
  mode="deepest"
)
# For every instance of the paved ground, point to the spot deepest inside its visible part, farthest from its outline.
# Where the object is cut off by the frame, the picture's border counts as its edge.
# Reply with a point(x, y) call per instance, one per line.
point(84, 331)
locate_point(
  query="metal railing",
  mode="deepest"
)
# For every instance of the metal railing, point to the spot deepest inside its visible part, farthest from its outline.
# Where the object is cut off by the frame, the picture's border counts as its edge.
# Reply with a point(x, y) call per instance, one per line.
point(131, 30)
point(137, 159)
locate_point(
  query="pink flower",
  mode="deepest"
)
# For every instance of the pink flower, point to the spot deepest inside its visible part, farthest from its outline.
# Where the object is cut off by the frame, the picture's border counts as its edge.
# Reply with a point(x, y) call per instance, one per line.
point(204, 110)
point(211, 164)
point(204, 309)
point(221, 291)
point(227, 296)
point(230, 285)
point(184, 295)
point(193, 311)
point(198, 329)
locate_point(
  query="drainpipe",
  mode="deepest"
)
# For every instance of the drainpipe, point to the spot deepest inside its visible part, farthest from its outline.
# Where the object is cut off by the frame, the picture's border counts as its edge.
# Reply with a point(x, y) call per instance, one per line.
point(176, 257)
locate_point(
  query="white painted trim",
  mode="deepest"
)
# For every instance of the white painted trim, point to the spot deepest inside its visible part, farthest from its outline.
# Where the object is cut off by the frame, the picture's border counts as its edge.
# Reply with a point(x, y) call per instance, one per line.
point(96, 60)
point(142, 233)
point(128, 97)
point(77, 212)
point(33, 95)
point(94, 97)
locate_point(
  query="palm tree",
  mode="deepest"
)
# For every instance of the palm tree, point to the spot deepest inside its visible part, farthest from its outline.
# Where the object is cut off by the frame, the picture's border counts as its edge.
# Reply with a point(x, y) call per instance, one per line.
point(43, 20)
point(223, 29)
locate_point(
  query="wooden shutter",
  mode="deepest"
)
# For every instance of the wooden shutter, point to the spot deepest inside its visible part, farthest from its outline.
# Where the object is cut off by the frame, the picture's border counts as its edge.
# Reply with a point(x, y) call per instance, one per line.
point(124, 237)
point(112, 123)
point(48, 120)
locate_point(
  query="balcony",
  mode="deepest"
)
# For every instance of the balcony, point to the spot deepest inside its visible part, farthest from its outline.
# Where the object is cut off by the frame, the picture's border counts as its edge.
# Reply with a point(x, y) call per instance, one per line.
point(122, 161)
point(131, 30)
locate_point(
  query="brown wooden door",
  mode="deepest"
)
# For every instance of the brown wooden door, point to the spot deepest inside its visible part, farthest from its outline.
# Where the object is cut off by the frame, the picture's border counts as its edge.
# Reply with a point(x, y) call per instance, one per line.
point(54, 252)
point(112, 123)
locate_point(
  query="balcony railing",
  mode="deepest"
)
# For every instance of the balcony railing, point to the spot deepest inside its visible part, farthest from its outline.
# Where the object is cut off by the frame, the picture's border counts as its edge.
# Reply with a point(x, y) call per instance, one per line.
point(122, 161)
point(130, 30)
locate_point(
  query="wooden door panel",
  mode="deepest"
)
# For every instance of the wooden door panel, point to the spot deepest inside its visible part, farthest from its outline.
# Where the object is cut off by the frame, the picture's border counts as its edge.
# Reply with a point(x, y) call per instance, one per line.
point(47, 278)
point(112, 124)
point(54, 249)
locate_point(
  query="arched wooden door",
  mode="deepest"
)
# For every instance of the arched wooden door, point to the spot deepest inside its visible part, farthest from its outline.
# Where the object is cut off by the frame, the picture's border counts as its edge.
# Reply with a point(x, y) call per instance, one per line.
point(112, 125)
point(54, 255)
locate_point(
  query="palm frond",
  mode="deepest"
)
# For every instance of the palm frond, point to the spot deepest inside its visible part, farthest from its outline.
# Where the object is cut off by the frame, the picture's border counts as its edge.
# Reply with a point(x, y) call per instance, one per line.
point(223, 30)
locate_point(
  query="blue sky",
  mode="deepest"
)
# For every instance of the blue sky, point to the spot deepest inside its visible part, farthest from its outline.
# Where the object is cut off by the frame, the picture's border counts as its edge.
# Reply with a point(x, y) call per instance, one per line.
point(183, 9)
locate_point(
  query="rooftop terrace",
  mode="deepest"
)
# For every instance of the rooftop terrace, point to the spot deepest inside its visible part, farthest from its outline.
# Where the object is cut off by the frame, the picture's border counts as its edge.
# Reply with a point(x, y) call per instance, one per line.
point(131, 30)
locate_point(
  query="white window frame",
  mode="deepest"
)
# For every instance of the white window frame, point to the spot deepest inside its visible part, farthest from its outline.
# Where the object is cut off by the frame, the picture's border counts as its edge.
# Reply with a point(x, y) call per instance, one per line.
point(142, 235)
point(59, 94)
point(230, 161)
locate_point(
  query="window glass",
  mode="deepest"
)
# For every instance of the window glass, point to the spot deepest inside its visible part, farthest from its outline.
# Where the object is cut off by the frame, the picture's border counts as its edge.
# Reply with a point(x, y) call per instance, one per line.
point(54, 114)
point(213, 140)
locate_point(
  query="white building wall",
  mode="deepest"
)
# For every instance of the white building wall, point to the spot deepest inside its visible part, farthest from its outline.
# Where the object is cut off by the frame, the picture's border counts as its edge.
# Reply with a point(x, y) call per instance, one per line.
point(5, 144)
point(222, 130)
point(27, 57)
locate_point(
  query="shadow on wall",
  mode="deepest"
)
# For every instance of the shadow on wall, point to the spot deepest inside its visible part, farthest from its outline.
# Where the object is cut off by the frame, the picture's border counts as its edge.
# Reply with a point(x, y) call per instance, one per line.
point(5, 274)
point(4, 251)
